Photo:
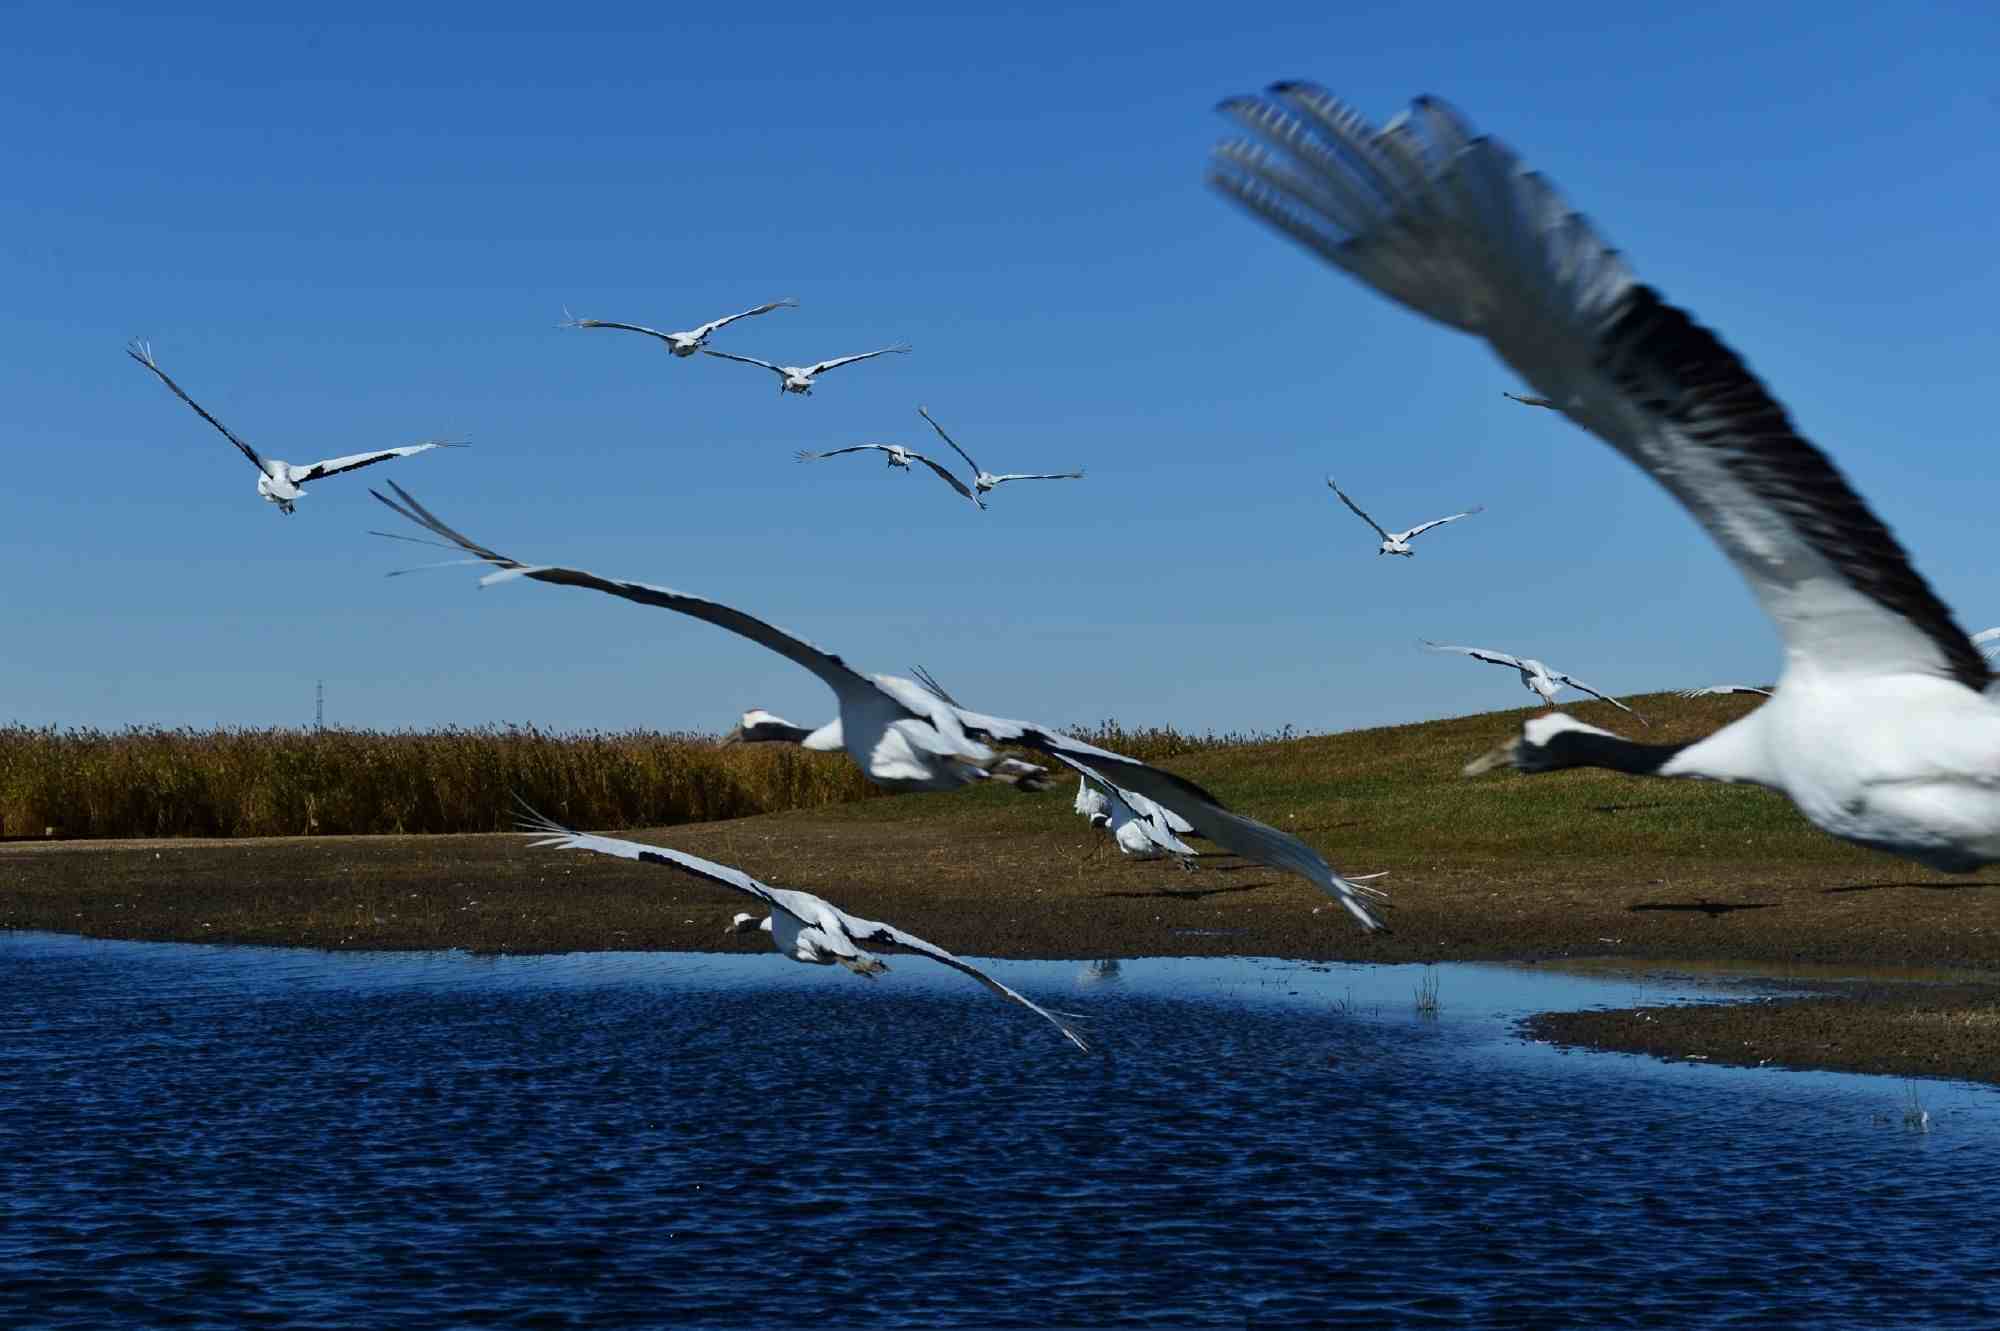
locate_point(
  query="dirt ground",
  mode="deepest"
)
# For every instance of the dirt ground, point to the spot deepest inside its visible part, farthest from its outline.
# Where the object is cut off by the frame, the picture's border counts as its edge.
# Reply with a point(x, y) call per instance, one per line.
point(1047, 895)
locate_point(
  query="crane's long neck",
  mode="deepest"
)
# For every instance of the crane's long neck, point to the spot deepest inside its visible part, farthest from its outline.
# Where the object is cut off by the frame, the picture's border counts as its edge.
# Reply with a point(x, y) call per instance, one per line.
point(1550, 743)
point(1580, 748)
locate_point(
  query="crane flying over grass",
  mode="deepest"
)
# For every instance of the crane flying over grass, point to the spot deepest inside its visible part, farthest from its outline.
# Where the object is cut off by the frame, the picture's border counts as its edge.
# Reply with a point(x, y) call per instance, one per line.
point(1398, 543)
point(904, 737)
point(1535, 677)
point(283, 483)
point(1884, 729)
point(799, 378)
point(683, 343)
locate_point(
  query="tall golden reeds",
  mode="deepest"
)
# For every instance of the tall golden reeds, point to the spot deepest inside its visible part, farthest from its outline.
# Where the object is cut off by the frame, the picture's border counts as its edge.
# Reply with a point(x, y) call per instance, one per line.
point(158, 782)
point(151, 781)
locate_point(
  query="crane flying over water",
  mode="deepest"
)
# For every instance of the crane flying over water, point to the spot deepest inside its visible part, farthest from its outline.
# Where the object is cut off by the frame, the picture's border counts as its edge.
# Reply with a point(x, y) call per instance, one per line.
point(802, 926)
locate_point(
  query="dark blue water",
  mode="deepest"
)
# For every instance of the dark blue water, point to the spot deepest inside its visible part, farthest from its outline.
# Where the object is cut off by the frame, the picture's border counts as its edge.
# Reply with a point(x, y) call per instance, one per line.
point(207, 1136)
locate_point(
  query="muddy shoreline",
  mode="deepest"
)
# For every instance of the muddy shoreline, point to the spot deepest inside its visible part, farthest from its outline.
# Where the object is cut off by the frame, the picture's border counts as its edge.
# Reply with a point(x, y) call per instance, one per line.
point(991, 891)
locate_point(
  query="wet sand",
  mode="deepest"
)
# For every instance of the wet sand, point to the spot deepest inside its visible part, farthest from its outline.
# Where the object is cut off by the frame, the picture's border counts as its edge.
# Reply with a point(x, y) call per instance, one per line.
point(992, 891)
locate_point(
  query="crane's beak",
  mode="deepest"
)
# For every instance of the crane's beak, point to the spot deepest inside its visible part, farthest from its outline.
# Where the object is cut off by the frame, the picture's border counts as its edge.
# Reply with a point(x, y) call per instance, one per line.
point(1500, 757)
point(733, 737)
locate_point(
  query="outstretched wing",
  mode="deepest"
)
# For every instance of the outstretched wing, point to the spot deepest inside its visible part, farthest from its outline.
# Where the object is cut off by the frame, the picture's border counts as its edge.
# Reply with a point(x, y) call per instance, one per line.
point(747, 360)
point(1203, 812)
point(836, 673)
point(1576, 683)
point(1454, 227)
point(1414, 532)
point(888, 938)
point(143, 353)
point(1357, 509)
point(607, 323)
point(356, 461)
point(949, 479)
point(562, 838)
point(728, 319)
point(836, 363)
point(809, 455)
point(1717, 690)
point(1476, 653)
point(949, 440)
point(1039, 476)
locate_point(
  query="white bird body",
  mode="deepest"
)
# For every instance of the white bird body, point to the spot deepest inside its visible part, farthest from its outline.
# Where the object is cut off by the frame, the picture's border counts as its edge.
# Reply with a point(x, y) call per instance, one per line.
point(280, 482)
point(799, 378)
point(802, 926)
point(1398, 543)
point(1143, 836)
point(1881, 730)
point(898, 456)
point(689, 341)
point(984, 480)
point(905, 737)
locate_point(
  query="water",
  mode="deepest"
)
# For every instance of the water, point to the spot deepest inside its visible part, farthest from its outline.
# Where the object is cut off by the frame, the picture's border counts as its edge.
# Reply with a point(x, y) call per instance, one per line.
point(227, 1137)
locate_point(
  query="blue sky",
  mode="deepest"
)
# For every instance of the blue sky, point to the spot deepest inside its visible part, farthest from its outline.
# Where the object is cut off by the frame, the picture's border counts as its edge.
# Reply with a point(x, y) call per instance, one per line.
point(347, 235)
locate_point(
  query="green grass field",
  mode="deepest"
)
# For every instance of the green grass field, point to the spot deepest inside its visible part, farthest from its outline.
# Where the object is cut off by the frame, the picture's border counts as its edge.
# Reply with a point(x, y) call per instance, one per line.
point(1394, 797)
point(1386, 797)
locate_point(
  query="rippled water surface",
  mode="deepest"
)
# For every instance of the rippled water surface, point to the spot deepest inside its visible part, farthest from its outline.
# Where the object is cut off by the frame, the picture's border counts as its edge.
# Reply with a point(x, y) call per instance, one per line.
point(209, 1136)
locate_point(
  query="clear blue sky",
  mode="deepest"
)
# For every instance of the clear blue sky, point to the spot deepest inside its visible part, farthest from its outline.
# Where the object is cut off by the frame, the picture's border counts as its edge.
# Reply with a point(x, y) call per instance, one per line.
point(358, 233)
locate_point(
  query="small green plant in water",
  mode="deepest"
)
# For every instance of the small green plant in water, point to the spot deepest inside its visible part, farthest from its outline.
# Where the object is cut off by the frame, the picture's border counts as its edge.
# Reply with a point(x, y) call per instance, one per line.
point(1427, 994)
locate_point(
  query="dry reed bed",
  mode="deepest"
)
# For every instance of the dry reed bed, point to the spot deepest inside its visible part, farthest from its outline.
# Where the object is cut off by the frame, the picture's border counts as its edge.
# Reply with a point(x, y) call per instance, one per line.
point(148, 782)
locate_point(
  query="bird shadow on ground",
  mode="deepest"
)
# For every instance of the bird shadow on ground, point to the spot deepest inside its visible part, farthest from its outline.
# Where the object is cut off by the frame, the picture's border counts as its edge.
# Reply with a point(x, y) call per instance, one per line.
point(1708, 908)
point(1186, 893)
point(1926, 887)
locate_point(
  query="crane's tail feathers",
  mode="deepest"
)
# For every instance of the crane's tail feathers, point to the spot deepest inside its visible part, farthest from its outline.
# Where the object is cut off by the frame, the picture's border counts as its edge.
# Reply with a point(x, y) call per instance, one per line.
point(1445, 222)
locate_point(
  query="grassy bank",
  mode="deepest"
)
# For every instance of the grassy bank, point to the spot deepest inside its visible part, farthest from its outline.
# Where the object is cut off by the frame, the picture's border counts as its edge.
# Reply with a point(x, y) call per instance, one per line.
point(238, 783)
point(1501, 867)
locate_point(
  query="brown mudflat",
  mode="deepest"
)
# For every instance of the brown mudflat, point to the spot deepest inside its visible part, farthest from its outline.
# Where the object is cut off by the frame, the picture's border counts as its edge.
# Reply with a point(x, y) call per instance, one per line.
point(1010, 876)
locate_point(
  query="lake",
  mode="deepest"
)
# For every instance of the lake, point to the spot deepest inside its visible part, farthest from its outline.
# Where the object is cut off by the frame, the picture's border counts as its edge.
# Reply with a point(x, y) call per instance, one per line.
point(204, 1136)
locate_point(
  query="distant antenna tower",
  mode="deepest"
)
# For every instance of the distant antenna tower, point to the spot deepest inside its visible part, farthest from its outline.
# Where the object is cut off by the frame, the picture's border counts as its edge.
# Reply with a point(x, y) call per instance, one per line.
point(319, 705)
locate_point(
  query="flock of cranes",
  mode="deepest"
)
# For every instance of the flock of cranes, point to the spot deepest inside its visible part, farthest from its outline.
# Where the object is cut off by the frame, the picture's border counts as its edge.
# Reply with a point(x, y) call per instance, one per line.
point(1883, 727)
